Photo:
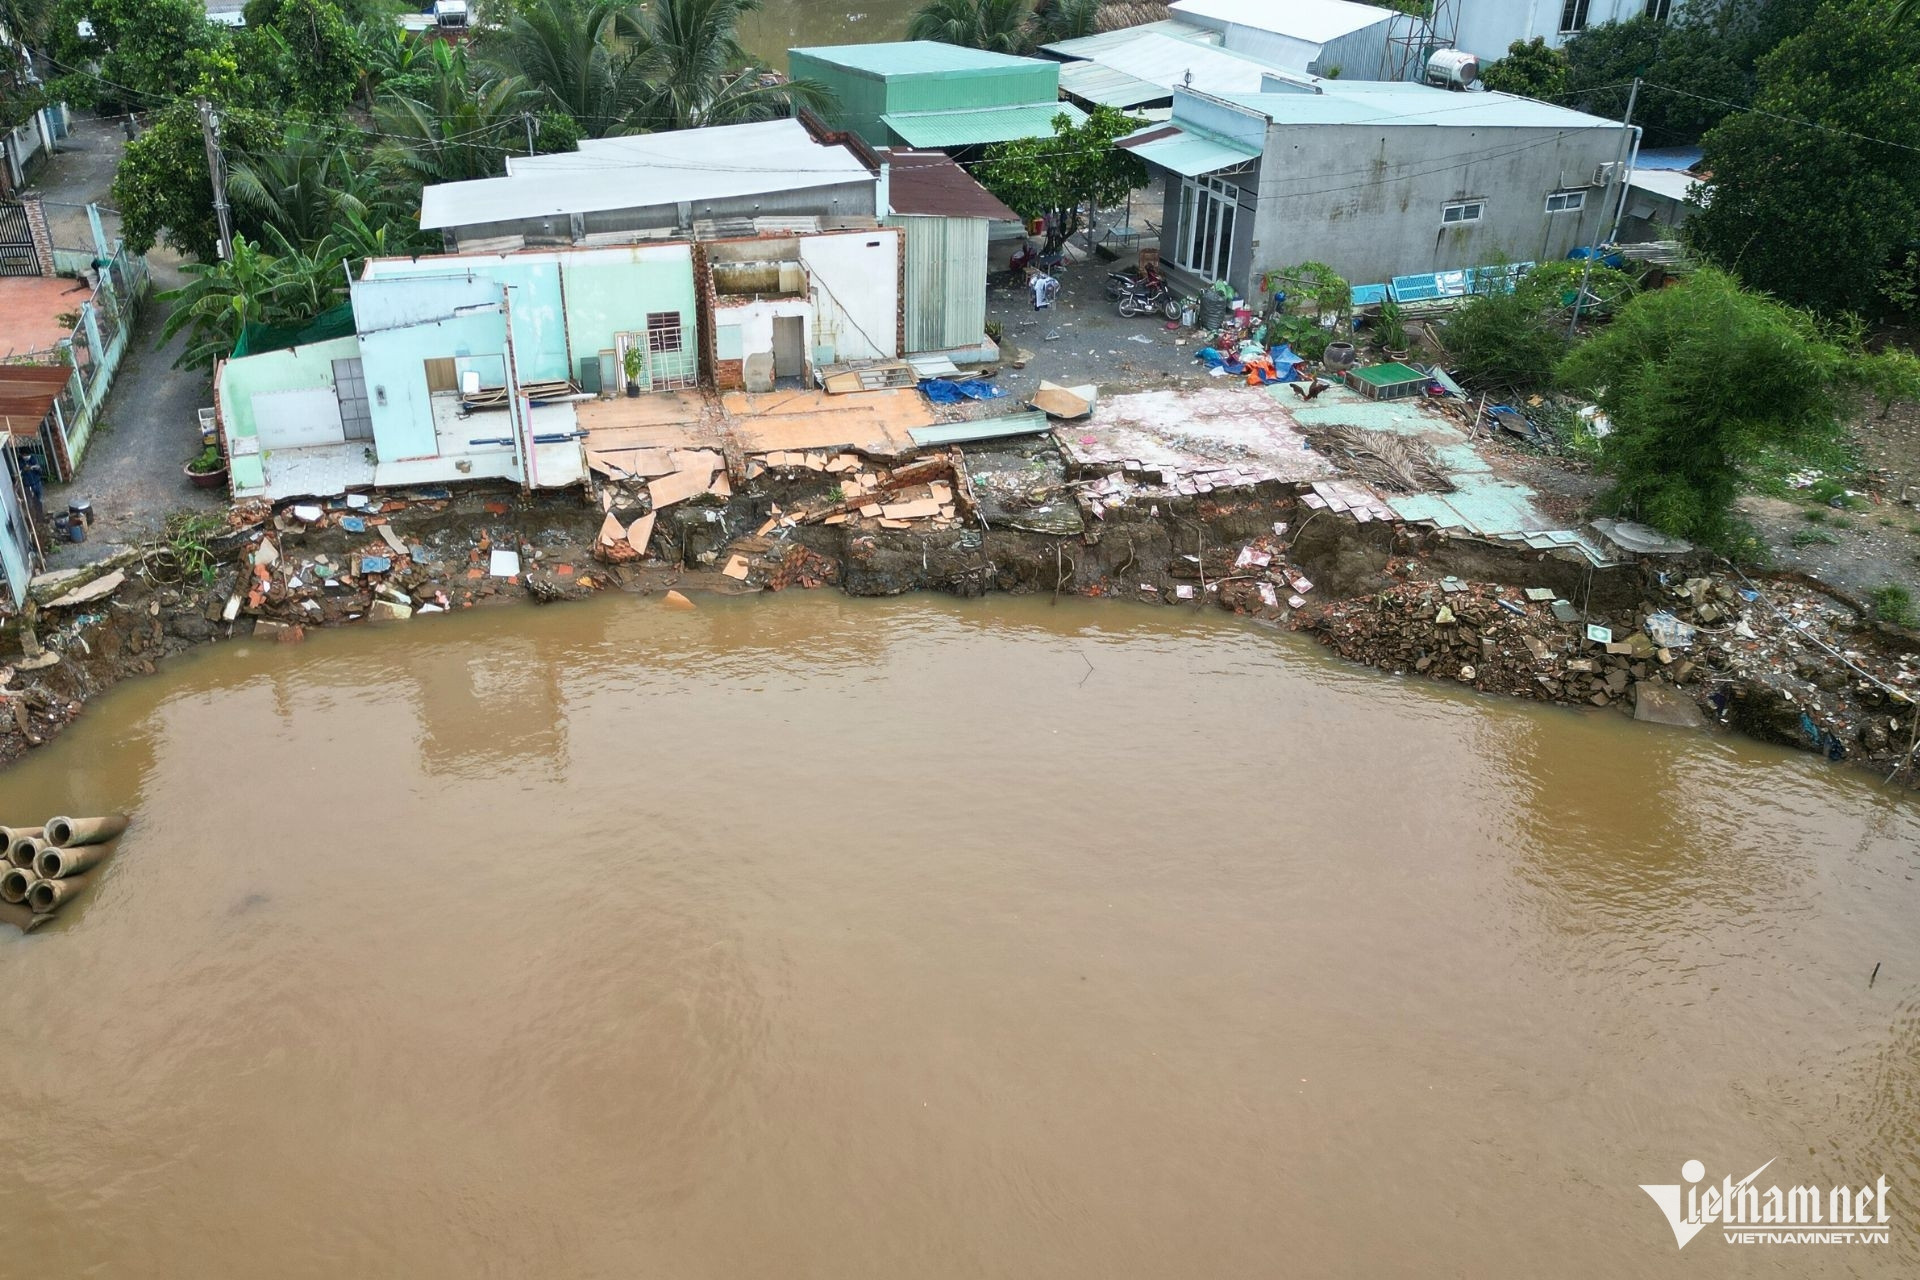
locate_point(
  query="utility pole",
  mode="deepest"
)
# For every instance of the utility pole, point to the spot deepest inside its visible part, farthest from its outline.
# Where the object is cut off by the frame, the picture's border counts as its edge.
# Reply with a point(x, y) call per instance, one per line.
point(528, 117)
point(217, 170)
point(1606, 198)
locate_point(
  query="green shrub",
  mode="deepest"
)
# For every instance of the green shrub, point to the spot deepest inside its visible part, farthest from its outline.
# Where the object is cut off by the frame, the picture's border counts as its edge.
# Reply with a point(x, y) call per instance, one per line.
point(1894, 603)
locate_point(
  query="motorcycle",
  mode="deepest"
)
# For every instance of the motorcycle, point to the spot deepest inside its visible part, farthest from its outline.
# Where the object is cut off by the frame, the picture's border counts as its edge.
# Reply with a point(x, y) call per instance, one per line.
point(1147, 296)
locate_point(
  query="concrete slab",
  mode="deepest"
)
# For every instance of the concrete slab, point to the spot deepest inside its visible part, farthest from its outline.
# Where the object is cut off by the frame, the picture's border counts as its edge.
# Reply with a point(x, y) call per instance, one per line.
point(1194, 441)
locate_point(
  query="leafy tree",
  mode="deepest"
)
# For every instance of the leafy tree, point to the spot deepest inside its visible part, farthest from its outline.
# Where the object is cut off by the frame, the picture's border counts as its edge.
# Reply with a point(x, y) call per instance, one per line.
point(1702, 380)
point(279, 284)
point(1053, 176)
point(162, 189)
point(144, 49)
point(1514, 340)
point(997, 26)
point(1817, 215)
point(1532, 69)
point(310, 54)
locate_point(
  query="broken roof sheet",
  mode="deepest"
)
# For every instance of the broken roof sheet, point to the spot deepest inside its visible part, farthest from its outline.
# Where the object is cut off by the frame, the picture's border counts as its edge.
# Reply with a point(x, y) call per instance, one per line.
point(929, 183)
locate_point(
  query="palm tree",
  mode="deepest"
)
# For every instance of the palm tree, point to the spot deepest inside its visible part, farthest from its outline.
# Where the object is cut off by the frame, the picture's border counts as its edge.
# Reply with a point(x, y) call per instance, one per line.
point(997, 26)
point(253, 287)
point(567, 50)
point(696, 71)
point(451, 128)
point(1065, 19)
point(301, 188)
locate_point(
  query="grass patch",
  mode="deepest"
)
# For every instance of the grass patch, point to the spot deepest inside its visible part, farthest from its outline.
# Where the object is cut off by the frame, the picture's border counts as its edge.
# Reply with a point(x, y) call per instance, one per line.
point(1894, 603)
point(1813, 538)
point(1814, 515)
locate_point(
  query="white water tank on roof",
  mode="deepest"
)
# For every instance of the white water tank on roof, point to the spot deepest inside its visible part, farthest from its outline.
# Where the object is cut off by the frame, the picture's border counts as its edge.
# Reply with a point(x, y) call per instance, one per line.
point(1453, 69)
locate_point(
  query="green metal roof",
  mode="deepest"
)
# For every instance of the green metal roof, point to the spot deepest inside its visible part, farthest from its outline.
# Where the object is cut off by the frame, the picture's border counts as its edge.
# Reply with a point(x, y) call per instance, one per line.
point(989, 124)
point(909, 57)
point(1185, 150)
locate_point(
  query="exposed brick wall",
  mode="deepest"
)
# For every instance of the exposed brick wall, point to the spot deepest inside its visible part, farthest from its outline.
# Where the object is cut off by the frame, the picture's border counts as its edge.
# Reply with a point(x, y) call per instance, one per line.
point(37, 227)
point(729, 375)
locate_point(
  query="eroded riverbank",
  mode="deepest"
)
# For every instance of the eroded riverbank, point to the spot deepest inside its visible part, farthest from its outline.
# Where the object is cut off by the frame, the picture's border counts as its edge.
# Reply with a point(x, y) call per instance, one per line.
point(1780, 659)
point(842, 937)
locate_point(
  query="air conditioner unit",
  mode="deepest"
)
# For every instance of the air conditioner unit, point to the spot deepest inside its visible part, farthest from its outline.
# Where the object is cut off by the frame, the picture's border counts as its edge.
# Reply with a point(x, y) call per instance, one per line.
point(1603, 174)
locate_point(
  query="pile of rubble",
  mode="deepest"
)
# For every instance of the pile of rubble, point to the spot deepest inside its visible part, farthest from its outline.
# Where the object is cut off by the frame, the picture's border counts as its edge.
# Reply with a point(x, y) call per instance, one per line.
point(1784, 661)
point(379, 574)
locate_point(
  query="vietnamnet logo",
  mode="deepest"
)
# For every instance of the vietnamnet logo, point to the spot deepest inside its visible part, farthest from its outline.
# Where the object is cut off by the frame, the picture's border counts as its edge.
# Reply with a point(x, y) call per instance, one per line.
point(1794, 1215)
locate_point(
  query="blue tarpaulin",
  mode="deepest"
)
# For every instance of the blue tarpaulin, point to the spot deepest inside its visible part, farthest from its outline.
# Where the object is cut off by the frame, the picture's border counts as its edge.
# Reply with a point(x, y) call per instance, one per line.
point(954, 390)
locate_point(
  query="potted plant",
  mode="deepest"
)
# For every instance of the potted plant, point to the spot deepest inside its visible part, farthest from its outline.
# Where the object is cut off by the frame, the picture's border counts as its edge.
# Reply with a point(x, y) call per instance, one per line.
point(633, 371)
point(208, 470)
point(1390, 331)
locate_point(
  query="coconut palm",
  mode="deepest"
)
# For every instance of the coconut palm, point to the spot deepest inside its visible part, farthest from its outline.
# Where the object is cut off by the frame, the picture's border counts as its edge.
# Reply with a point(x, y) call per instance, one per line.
point(567, 50)
point(997, 26)
point(1065, 19)
point(303, 187)
point(448, 127)
point(696, 71)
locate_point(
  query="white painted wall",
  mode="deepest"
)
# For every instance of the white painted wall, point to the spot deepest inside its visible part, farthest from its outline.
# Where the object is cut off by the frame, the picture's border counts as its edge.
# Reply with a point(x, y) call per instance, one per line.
point(1486, 27)
point(856, 293)
point(297, 419)
point(755, 322)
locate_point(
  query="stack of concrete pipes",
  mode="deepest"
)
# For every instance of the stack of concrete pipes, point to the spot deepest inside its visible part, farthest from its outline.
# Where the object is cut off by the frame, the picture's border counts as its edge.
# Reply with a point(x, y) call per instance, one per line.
point(46, 867)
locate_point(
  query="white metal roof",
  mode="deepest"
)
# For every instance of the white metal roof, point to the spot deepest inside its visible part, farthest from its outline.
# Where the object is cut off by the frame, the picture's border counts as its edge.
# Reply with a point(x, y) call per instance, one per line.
point(1167, 61)
point(719, 163)
point(1315, 20)
point(1412, 104)
point(1675, 184)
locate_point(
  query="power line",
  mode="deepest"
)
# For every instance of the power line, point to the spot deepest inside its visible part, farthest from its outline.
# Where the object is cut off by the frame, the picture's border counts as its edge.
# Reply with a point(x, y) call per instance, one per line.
point(1774, 115)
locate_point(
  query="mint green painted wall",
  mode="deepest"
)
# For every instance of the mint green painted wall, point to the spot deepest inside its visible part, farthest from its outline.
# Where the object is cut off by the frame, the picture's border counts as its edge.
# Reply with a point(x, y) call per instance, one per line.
point(858, 96)
point(606, 295)
point(295, 369)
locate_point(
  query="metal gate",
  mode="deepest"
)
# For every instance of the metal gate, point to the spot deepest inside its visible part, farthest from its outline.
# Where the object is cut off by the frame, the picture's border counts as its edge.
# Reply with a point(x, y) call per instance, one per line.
point(18, 257)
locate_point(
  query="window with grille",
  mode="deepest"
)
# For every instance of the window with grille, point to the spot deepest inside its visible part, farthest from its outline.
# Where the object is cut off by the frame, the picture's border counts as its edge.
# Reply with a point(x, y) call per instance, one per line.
point(1573, 15)
point(1659, 10)
point(1566, 201)
point(663, 331)
point(1458, 211)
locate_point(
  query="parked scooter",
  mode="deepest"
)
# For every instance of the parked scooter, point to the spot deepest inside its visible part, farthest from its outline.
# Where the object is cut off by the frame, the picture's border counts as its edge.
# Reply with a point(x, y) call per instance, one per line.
point(1149, 295)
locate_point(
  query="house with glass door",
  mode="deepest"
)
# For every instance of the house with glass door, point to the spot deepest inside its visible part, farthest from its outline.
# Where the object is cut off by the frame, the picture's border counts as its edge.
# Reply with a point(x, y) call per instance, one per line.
point(1377, 180)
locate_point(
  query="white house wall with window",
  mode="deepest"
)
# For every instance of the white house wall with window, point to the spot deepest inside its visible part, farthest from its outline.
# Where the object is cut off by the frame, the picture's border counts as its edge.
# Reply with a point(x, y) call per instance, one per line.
point(1376, 180)
point(1487, 27)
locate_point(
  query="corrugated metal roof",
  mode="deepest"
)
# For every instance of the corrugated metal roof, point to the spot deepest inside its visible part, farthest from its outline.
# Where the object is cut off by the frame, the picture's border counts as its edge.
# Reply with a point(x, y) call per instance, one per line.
point(1315, 20)
point(1166, 61)
point(689, 165)
point(1668, 157)
point(1093, 46)
point(913, 57)
point(1670, 183)
point(929, 183)
point(1185, 151)
point(1097, 82)
point(989, 124)
point(1414, 104)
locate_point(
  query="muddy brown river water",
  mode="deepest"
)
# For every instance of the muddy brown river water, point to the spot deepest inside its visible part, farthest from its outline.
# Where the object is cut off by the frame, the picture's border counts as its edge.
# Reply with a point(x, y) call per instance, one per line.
point(813, 937)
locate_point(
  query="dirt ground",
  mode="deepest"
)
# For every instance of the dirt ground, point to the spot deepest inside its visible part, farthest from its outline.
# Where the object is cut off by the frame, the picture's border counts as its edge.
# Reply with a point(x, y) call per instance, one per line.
point(131, 471)
point(1873, 541)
